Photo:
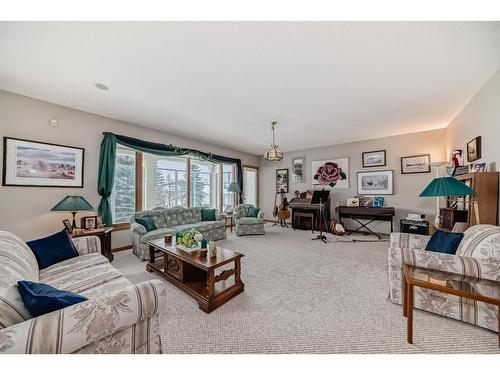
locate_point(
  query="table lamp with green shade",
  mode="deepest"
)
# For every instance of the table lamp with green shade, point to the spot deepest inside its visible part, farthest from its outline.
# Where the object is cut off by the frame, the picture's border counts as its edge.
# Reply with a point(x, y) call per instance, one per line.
point(234, 188)
point(446, 186)
point(73, 204)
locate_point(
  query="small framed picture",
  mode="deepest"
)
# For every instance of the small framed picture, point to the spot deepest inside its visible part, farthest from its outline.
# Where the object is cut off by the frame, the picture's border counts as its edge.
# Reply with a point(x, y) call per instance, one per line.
point(416, 164)
point(282, 180)
point(478, 167)
point(374, 159)
point(298, 170)
point(67, 225)
point(379, 202)
point(89, 222)
point(352, 202)
point(474, 150)
point(375, 183)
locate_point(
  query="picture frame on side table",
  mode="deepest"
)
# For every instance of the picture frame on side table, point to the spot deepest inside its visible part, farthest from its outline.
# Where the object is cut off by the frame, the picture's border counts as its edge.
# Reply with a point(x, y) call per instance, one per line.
point(67, 225)
point(416, 164)
point(374, 159)
point(89, 222)
point(479, 167)
point(474, 149)
point(282, 180)
point(41, 164)
point(299, 170)
point(376, 183)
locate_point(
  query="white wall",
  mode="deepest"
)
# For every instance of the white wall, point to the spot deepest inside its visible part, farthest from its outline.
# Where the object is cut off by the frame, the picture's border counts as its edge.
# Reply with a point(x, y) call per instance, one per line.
point(25, 210)
point(406, 187)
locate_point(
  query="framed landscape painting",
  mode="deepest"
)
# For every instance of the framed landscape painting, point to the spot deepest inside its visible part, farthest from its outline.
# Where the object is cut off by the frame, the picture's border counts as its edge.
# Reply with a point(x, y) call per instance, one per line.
point(282, 180)
point(373, 159)
point(416, 164)
point(375, 183)
point(298, 169)
point(31, 163)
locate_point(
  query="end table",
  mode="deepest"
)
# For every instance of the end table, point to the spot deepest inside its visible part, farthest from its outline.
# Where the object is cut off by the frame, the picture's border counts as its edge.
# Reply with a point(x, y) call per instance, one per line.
point(229, 217)
point(104, 235)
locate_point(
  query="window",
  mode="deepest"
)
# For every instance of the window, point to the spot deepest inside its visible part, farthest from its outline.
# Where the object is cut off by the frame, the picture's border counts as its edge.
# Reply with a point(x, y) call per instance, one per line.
point(204, 181)
point(164, 181)
point(227, 178)
point(123, 195)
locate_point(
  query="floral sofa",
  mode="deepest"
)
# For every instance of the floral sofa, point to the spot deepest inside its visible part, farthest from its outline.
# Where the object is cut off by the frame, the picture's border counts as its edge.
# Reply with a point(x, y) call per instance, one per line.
point(171, 221)
point(478, 255)
point(248, 225)
point(118, 317)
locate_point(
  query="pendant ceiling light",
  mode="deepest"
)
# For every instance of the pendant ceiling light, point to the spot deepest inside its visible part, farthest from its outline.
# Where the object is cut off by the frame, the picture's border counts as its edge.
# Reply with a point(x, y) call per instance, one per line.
point(273, 154)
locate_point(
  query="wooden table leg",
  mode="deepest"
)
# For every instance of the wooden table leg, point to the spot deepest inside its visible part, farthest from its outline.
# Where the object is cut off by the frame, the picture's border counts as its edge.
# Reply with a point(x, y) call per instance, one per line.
point(499, 326)
point(210, 283)
point(405, 296)
point(237, 271)
point(409, 321)
point(151, 258)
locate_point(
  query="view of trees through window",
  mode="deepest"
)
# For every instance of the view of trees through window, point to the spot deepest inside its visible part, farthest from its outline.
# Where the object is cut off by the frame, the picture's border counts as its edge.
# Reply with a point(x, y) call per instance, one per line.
point(164, 184)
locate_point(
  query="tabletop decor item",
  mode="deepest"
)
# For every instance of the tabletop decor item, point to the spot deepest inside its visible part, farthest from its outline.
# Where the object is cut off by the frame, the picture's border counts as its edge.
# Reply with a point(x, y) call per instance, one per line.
point(188, 240)
point(416, 164)
point(212, 249)
point(373, 159)
point(89, 222)
point(474, 150)
point(168, 239)
point(73, 204)
point(375, 183)
point(31, 163)
point(333, 173)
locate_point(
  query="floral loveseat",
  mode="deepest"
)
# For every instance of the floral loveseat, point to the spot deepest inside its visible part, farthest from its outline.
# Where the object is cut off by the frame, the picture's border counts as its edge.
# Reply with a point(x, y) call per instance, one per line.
point(478, 255)
point(248, 225)
point(171, 221)
point(118, 317)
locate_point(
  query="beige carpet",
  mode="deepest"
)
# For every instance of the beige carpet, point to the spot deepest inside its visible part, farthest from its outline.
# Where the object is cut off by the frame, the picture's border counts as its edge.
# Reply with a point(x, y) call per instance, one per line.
point(303, 296)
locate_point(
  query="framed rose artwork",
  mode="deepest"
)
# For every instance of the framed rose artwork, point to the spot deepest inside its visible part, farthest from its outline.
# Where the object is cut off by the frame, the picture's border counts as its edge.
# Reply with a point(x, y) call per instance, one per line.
point(332, 173)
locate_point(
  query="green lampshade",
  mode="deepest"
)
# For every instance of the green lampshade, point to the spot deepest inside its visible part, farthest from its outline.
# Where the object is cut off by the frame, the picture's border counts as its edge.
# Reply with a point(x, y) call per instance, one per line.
point(234, 187)
point(73, 203)
point(443, 186)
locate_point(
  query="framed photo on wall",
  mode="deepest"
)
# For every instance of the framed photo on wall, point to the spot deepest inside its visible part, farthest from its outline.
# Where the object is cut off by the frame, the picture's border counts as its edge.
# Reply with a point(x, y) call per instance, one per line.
point(374, 159)
point(474, 150)
point(416, 164)
point(375, 183)
point(282, 180)
point(299, 169)
point(31, 163)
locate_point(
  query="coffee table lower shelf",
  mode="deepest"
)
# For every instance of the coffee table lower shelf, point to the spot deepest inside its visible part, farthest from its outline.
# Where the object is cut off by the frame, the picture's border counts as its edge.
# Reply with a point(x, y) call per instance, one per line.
point(209, 290)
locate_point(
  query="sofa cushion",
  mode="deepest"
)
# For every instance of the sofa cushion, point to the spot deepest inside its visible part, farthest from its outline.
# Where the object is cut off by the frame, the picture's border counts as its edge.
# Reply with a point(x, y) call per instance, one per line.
point(107, 287)
point(481, 242)
point(72, 265)
point(250, 221)
point(444, 242)
point(208, 214)
point(158, 233)
point(17, 262)
point(53, 249)
point(78, 281)
point(147, 222)
point(157, 216)
point(253, 212)
point(40, 298)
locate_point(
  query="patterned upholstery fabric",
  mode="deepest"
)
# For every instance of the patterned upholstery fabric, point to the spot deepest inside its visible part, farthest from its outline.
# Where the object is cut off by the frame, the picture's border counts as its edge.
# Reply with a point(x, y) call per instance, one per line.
point(171, 221)
point(480, 243)
point(118, 317)
point(248, 225)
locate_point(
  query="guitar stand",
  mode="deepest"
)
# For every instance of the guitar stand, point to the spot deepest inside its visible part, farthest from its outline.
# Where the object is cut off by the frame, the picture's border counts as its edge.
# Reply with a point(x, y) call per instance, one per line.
point(280, 222)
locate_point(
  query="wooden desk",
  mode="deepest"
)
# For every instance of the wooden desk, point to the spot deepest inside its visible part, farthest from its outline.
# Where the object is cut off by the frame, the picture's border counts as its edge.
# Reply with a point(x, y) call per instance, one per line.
point(104, 235)
point(366, 213)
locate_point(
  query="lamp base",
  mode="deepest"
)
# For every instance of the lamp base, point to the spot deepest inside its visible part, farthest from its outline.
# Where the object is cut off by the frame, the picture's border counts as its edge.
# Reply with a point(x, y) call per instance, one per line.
point(74, 220)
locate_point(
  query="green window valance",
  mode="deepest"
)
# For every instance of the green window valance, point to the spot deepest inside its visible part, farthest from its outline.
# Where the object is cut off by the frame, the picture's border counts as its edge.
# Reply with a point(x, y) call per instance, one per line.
point(107, 164)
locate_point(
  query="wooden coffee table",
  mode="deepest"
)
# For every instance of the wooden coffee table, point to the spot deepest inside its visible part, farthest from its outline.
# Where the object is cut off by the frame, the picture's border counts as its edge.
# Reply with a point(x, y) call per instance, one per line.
point(487, 291)
point(196, 275)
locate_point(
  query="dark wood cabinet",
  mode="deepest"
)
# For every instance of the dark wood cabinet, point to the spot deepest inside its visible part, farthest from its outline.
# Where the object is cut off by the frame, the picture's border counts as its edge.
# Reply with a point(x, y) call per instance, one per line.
point(104, 235)
point(449, 216)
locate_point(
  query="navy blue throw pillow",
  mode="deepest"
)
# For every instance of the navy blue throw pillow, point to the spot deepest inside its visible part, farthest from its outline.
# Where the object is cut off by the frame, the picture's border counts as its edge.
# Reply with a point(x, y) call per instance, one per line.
point(41, 298)
point(444, 242)
point(53, 249)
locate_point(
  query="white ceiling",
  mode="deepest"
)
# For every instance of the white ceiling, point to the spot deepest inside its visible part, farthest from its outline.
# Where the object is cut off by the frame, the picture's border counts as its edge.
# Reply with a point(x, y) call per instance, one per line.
point(324, 82)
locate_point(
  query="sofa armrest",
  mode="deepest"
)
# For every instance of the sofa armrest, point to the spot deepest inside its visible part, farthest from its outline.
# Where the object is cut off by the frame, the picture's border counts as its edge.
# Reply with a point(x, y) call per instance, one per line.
point(87, 245)
point(137, 228)
point(260, 215)
point(219, 216)
point(409, 240)
point(467, 266)
point(72, 328)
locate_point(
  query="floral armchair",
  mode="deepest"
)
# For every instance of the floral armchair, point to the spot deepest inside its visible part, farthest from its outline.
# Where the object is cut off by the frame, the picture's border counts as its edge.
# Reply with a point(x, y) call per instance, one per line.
point(478, 255)
point(248, 225)
point(118, 317)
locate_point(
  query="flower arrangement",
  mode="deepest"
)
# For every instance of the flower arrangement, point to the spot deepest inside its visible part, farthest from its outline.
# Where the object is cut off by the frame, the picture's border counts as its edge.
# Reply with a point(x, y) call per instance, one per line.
point(329, 174)
point(189, 238)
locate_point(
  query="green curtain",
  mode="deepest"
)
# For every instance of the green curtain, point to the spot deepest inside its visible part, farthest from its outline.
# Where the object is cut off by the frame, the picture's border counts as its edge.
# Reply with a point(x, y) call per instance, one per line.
point(107, 164)
point(106, 177)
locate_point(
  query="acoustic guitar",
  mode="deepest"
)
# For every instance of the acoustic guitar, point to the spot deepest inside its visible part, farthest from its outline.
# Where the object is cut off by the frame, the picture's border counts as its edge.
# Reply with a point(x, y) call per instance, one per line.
point(284, 211)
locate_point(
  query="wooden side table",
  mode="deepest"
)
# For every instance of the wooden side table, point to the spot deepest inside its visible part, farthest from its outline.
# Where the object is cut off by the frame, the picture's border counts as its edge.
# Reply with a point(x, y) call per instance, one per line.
point(459, 285)
point(104, 235)
point(229, 217)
